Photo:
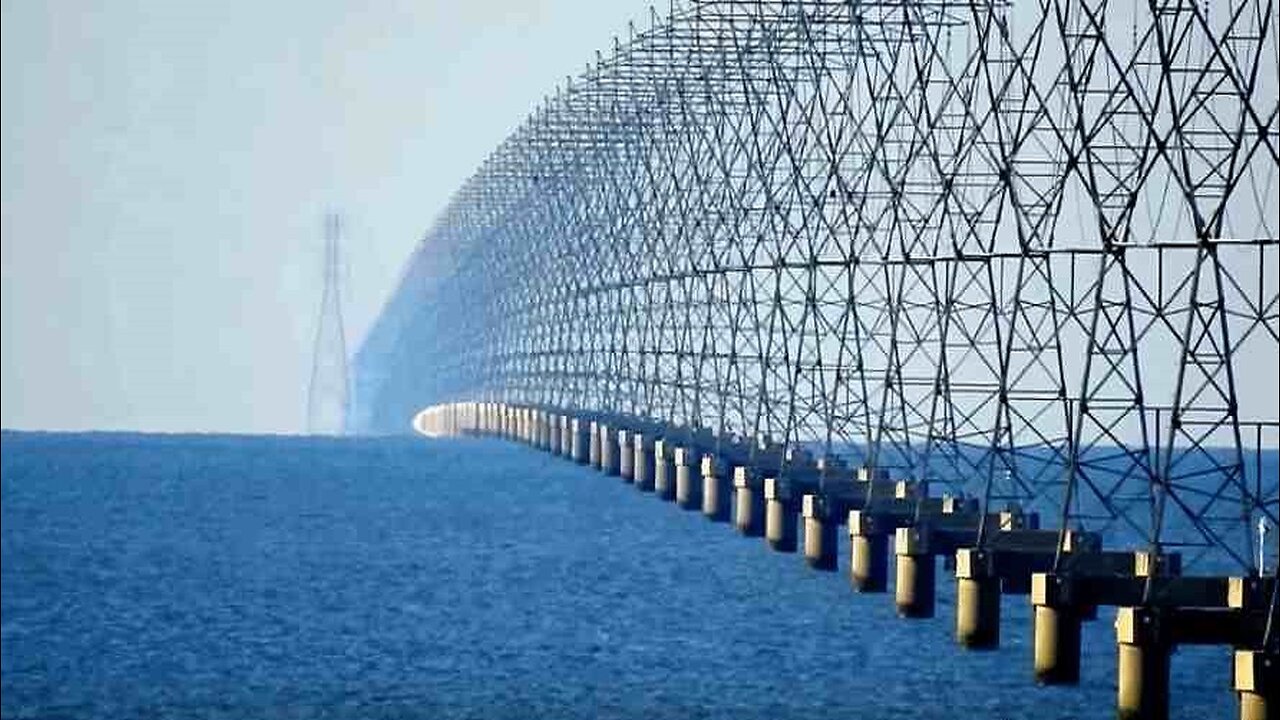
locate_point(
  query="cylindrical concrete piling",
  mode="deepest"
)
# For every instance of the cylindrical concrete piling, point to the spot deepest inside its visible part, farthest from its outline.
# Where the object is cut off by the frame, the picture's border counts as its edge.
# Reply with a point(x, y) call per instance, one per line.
point(820, 537)
point(977, 601)
point(868, 554)
point(1056, 640)
point(555, 430)
point(1142, 671)
point(915, 593)
point(626, 456)
point(748, 503)
point(1255, 678)
point(580, 443)
point(664, 470)
point(542, 430)
point(608, 450)
point(593, 451)
point(1057, 646)
point(643, 462)
point(688, 492)
point(779, 516)
point(715, 490)
point(1253, 706)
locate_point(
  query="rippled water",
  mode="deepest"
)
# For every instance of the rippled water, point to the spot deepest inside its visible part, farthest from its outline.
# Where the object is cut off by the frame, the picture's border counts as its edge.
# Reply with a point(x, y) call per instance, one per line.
point(237, 577)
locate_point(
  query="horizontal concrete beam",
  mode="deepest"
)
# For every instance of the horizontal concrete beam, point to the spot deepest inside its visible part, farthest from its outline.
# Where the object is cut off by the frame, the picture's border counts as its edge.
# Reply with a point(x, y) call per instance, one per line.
point(1055, 590)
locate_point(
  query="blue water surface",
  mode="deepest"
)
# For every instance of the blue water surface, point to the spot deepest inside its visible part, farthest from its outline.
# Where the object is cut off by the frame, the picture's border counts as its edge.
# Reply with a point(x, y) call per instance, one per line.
point(259, 577)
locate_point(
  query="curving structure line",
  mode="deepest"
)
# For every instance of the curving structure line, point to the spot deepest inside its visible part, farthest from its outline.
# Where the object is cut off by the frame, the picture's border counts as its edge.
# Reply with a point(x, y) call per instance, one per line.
point(1026, 250)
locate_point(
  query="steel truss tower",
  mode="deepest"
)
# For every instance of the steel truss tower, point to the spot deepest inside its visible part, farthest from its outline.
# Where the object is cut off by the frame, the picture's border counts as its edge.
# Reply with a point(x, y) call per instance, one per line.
point(328, 390)
point(1029, 251)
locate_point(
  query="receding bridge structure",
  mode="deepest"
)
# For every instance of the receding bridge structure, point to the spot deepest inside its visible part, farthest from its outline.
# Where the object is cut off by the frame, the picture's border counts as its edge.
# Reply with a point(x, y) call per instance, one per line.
point(995, 282)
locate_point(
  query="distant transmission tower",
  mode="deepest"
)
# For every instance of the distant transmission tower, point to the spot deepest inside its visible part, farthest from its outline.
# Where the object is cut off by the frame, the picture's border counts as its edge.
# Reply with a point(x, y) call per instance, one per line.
point(327, 394)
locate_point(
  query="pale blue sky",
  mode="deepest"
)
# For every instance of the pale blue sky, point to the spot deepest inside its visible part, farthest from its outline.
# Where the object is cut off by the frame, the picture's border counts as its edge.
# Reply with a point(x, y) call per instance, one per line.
point(166, 167)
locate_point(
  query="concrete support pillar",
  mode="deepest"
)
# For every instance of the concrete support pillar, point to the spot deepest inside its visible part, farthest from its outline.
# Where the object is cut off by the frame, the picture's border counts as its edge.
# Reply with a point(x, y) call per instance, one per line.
point(566, 436)
point(977, 601)
point(1056, 643)
point(688, 492)
point(664, 470)
point(779, 517)
point(819, 535)
point(915, 593)
point(593, 450)
point(626, 456)
point(748, 503)
point(643, 466)
point(544, 428)
point(1056, 640)
point(555, 431)
point(868, 554)
point(1142, 670)
point(579, 440)
point(608, 450)
point(715, 490)
point(1255, 679)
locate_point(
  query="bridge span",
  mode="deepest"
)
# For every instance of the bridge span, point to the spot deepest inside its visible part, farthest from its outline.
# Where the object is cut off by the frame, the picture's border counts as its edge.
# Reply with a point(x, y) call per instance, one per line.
point(998, 282)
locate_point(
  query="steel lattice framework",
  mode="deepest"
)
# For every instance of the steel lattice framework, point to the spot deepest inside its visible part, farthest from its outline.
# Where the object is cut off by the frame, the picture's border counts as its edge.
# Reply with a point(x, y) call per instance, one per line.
point(1029, 250)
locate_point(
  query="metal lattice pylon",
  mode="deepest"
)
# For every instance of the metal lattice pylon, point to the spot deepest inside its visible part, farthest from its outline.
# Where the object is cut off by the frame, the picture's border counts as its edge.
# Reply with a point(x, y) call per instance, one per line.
point(328, 390)
point(1029, 252)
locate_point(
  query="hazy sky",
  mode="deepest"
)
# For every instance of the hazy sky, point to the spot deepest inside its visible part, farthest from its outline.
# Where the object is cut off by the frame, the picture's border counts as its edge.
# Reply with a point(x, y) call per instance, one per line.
point(166, 167)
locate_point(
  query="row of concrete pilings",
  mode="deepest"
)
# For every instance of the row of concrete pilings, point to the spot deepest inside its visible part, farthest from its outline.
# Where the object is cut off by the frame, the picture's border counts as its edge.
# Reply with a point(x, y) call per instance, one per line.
point(1067, 575)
